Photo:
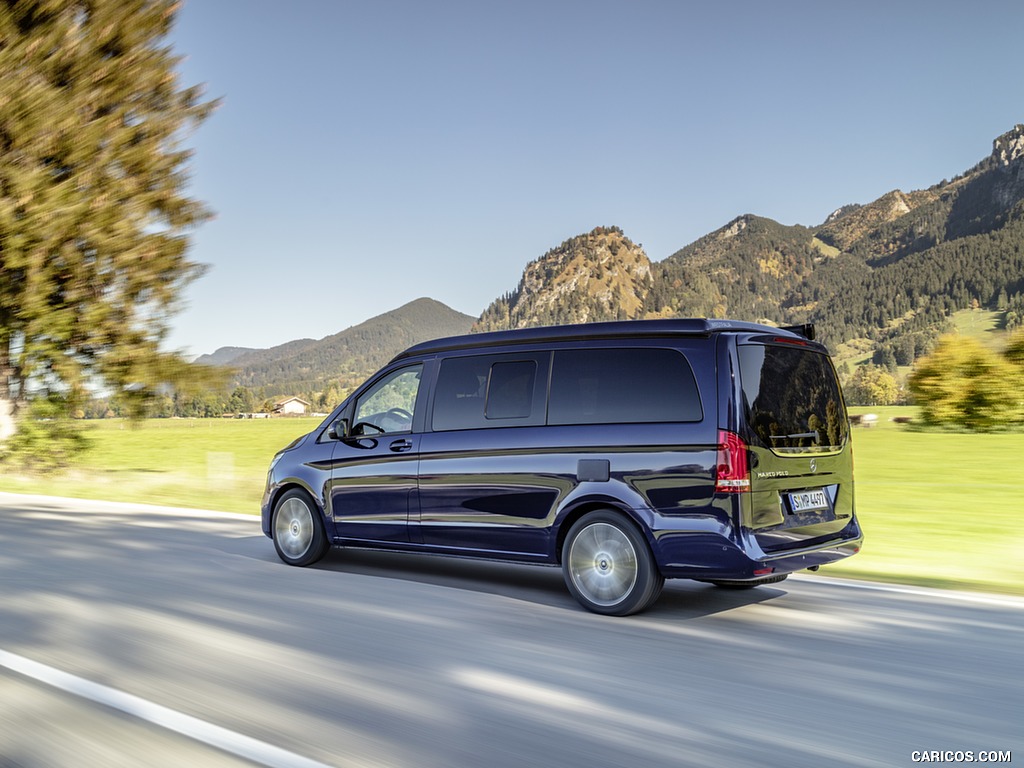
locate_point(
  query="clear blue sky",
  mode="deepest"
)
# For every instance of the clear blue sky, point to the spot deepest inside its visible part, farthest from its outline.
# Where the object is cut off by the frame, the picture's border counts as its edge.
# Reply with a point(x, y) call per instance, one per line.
point(369, 153)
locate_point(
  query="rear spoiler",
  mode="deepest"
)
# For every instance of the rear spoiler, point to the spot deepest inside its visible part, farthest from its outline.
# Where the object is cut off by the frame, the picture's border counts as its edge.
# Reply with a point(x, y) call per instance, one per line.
point(806, 330)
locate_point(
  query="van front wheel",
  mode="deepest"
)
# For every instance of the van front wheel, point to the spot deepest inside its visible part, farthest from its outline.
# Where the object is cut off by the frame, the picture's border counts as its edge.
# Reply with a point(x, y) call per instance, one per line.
point(298, 530)
point(608, 566)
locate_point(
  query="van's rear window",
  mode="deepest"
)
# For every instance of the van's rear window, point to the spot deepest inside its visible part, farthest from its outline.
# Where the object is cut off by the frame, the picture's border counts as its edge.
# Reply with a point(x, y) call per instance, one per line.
point(792, 398)
point(618, 386)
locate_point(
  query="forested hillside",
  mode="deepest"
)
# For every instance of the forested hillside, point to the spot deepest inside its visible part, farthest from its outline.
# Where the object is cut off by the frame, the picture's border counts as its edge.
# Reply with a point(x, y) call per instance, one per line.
point(224, 356)
point(322, 371)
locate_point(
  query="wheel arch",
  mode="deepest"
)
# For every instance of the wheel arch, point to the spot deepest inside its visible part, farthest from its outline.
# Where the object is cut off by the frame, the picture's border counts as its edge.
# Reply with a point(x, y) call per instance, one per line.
point(291, 484)
point(591, 504)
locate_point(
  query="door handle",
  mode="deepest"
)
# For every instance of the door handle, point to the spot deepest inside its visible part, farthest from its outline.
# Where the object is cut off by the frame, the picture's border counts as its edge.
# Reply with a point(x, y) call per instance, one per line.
point(398, 446)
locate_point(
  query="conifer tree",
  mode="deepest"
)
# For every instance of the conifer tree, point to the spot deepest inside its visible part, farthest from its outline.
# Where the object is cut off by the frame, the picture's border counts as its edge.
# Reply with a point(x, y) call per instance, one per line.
point(95, 213)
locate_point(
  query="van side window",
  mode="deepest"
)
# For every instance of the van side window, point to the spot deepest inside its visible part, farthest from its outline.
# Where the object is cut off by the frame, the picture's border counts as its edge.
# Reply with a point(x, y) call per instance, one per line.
point(615, 386)
point(485, 391)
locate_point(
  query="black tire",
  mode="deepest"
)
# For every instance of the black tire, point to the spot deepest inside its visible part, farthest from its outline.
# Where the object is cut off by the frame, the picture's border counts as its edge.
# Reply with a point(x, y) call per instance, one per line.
point(746, 584)
point(298, 529)
point(608, 566)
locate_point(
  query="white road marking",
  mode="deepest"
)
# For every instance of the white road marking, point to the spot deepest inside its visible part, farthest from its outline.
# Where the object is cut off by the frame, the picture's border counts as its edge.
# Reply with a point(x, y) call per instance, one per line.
point(69, 504)
point(984, 598)
point(199, 730)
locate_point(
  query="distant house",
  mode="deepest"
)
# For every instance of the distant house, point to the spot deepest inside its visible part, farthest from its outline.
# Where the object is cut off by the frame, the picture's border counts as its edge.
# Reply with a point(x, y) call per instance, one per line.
point(292, 406)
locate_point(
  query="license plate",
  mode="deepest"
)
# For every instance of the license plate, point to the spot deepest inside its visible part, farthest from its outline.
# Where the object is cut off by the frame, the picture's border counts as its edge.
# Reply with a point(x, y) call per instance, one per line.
point(805, 501)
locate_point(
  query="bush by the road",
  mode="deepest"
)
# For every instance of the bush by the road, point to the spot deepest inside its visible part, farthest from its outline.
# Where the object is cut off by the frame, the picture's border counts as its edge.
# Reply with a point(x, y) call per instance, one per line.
point(963, 384)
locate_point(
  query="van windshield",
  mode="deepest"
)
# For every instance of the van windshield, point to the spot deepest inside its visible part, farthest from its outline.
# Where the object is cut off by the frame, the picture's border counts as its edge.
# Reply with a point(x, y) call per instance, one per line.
point(792, 399)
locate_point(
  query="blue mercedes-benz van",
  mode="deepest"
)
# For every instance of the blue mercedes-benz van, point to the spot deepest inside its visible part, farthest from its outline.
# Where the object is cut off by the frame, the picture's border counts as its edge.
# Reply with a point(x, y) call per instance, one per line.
point(626, 452)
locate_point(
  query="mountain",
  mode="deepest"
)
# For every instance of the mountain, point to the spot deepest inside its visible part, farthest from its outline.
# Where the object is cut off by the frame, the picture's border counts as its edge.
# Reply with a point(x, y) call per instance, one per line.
point(601, 275)
point(343, 359)
point(746, 269)
point(883, 276)
point(851, 223)
point(888, 273)
point(224, 356)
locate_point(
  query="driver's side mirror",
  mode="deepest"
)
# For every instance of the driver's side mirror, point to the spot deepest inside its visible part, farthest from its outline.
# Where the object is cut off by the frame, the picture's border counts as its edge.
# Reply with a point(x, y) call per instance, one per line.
point(339, 430)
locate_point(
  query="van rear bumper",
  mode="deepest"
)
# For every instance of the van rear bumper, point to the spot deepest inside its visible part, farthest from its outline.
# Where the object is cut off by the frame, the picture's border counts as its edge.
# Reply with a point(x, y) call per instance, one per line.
point(706, 555)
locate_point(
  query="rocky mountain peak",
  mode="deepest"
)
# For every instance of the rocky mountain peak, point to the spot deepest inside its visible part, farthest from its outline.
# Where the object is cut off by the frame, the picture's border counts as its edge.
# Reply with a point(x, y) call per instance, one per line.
point(734, 227)
point(1008, 158)
point(1009, 148)
point(838, 213)
point(843, 229)
point(600, 275)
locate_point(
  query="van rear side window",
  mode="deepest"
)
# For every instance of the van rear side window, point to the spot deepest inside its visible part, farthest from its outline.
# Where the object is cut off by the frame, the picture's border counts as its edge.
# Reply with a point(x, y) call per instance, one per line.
point(618, 386)
point(485, 391)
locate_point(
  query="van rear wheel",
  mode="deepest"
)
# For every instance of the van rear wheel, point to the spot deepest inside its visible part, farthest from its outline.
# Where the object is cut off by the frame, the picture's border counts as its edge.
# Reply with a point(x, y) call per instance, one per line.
point(608, 566)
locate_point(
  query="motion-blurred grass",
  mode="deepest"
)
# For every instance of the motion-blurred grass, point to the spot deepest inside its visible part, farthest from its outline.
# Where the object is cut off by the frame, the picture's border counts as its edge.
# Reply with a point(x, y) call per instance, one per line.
point(938, 509)
point(201, 463)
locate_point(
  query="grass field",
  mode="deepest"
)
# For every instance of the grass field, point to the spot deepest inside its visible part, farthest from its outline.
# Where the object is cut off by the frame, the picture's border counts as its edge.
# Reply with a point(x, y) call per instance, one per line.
point(981, 325)
point(937, 509)
point(202, 463)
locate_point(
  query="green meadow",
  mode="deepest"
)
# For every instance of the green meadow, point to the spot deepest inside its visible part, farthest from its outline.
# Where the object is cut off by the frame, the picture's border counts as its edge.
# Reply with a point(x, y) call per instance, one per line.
point(938, 509)
point(202, 463)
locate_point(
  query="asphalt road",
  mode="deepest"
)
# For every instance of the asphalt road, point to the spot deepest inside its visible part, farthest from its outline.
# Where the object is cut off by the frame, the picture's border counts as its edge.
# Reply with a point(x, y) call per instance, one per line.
point(135, 636)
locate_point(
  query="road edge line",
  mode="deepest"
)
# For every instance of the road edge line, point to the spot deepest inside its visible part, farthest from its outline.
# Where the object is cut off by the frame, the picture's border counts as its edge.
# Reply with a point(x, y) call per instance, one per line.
point(193, 728)
point(126, 506)
point(937, 593)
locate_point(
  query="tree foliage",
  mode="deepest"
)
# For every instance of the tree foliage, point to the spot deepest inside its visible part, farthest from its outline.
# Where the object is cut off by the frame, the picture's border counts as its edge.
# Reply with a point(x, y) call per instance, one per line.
point(872, 385)
point(963, 384)
point(94, 210)
point(47, 438)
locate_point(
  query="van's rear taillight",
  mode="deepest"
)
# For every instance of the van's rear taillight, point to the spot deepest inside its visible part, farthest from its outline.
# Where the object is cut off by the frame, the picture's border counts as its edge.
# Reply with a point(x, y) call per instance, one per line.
point(732, 473)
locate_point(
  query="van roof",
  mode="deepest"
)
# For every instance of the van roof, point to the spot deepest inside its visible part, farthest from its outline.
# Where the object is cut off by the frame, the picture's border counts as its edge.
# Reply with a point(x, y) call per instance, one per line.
point(610, 330)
